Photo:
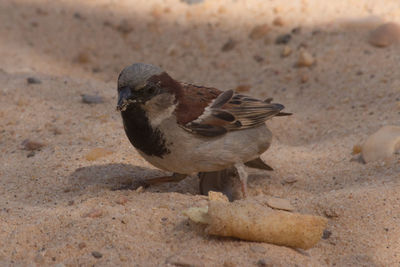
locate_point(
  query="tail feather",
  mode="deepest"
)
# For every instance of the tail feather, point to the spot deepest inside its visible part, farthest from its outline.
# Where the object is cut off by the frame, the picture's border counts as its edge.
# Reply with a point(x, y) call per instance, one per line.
point(283, 114)
point(258, 164)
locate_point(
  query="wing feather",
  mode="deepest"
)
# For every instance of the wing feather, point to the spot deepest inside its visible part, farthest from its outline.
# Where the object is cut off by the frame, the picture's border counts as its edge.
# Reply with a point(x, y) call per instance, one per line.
point(227, 111)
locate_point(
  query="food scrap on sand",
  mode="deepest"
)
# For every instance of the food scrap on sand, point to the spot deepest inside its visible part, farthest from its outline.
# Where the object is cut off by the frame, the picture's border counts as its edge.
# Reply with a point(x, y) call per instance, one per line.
point(252, 221)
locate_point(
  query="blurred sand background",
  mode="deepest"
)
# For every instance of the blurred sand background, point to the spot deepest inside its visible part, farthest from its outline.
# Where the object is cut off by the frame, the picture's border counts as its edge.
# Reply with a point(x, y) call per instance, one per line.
point(57, 207)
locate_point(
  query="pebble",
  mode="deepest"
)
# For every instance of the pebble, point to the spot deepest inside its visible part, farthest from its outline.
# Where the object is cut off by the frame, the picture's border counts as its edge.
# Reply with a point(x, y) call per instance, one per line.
point(156, 11)
point(82, 58)
point(265, 263)
point(278, 21)
point(356, 150)
point(96, 70)
point(278, 9)
point(78, 15)
point(296, 30)
point(331, 213)
point(184, 260)
point(31, 145)
point(82, 245)
point(122, 200)
point(280, 204)
point(267, 40)
point(326, 234)
point(124, 27)
point(107, 23)
point(304, 78)
point(242, 88)
point(286, 51)
point(92, 99)
point(289, 180)
point(382, 144)
point(259, 31)
point(96, 153)
point(41, 12)
point(258, 58)
point(229, 264)
point(385, 35)
point(229, 45)
point(258, 249)
point(140, 189)
point(56, 131)
point(172, 50)
point(33, 80)
point(283, 39)
point(39, 259)
point(94, 213)
point(97, 254)
point(305, 59)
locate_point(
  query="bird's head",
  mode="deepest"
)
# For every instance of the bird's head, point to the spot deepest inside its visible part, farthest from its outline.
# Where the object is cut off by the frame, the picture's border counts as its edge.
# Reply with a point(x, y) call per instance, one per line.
point(137, 84)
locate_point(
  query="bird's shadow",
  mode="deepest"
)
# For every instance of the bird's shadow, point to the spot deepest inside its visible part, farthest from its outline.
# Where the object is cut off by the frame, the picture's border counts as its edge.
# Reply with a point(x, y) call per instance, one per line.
point(116, 176)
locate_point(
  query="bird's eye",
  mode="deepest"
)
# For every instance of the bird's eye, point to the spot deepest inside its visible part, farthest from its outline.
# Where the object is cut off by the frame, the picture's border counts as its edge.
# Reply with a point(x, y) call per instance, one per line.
point(151, 90)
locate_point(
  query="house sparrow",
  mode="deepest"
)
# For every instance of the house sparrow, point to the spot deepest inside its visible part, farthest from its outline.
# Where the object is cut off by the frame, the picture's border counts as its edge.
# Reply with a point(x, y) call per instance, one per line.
point(187, 129)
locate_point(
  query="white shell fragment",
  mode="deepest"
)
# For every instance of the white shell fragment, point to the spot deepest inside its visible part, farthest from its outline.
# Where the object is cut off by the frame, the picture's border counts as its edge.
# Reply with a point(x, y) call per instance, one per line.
point(286, 51)
point(385, 35)
point(305, 59)
point(279, 204)
point(382, 144)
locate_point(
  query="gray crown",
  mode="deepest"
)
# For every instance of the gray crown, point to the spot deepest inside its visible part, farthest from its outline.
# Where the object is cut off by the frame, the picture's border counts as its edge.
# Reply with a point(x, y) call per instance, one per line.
point(136, 75)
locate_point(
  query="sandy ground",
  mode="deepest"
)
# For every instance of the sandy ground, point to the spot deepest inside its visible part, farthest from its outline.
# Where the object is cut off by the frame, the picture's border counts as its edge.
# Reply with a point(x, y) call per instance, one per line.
point(57, 207)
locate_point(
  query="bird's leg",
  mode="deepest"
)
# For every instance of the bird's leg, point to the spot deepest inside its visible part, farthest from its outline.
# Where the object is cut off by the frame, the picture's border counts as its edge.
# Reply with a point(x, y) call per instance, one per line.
point(243, 177)
point(175, 177)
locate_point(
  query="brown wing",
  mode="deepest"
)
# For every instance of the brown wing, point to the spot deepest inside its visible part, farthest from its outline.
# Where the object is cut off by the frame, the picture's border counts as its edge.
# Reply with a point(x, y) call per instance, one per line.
point(193, 100)
point(210, 112)
point(248, 111)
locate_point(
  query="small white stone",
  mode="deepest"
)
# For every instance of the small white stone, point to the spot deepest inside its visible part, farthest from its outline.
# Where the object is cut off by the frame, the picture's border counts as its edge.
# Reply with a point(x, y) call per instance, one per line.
point(280, 204)
point(382, 144)
point(259, 31)
point(140, 189)
point(385, 35)
point(278, 21)
point(305, 59)
point(286, 51)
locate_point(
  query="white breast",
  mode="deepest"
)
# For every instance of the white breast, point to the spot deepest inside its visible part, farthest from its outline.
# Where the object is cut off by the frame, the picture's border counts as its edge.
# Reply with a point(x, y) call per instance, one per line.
point(191, 153)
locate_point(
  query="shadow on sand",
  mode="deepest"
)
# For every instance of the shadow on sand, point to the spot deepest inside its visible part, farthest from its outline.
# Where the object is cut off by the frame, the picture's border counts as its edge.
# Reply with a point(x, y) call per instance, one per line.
point(119, 176)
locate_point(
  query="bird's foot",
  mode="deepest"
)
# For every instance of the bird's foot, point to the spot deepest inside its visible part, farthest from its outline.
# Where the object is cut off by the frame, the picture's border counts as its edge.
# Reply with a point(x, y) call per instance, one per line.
point(176, 177)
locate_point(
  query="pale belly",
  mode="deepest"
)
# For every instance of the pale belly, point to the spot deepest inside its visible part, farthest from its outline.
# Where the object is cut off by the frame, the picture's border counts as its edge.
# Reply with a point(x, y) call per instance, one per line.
point(192, 153)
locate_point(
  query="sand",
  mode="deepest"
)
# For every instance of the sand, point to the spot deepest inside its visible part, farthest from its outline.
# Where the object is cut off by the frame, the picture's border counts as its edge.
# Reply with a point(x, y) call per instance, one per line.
point(58, 207)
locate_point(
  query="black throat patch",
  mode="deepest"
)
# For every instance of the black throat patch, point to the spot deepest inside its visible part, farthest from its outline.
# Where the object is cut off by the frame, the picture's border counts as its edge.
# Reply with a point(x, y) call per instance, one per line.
point(140, 133)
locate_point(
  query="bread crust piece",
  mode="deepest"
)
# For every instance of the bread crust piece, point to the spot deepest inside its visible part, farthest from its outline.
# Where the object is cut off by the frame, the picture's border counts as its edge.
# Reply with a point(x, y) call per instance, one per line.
point(254, 222)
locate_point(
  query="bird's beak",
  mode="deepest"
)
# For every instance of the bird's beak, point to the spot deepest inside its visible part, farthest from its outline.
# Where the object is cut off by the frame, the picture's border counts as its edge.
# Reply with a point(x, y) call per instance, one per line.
point(123, 96)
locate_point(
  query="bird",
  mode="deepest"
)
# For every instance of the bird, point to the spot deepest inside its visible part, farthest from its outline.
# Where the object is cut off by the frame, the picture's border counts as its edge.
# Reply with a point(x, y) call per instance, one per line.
point(187, 129)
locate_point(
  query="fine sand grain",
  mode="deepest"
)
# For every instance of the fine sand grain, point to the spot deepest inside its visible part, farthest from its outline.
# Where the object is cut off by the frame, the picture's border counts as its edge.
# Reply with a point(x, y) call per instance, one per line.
point(61, 157)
